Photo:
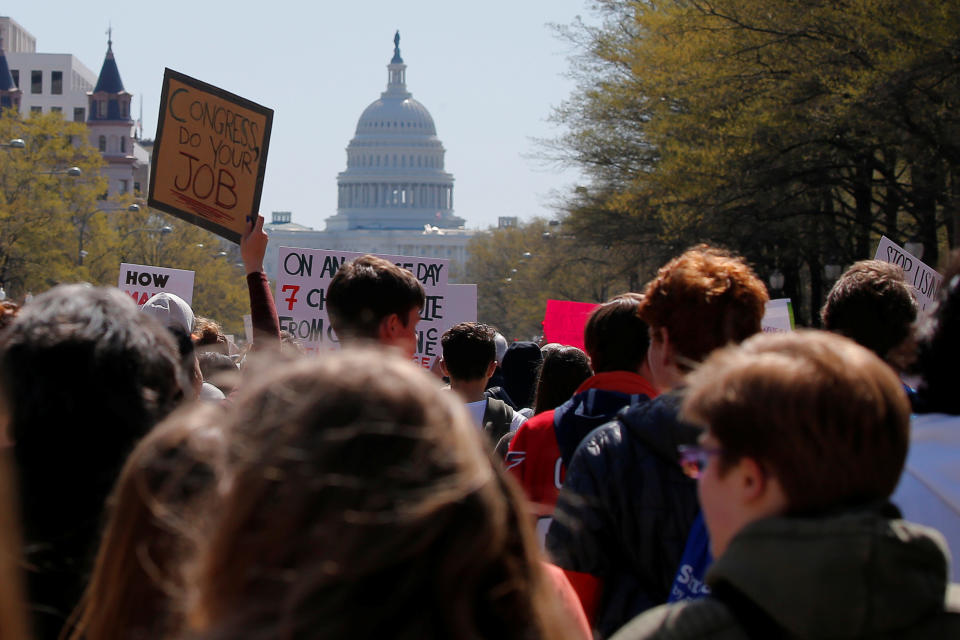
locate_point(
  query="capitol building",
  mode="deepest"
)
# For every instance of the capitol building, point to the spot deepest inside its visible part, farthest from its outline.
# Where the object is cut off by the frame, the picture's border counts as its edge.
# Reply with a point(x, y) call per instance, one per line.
point(394, 196)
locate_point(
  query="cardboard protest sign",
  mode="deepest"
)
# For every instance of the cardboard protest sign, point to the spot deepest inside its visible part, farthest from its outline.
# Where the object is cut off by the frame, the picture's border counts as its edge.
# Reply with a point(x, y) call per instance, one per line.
point(142, 281)
point(564, 321)
point(925, 282)
point(209, 156)
point(303, 276)
point(778, 317)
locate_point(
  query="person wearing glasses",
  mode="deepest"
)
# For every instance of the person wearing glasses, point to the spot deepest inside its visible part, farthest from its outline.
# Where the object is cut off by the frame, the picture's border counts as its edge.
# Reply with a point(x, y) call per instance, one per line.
point(805, 439)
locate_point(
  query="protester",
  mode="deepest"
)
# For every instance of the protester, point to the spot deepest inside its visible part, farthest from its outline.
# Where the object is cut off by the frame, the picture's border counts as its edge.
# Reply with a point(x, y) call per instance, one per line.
point(520, 365)
point(806, 435)
point(872, 304)
point(373, 300)
point(469, 358)
point(626, 508)
point(564, 368)
point(208, 336)
point(161, 506)
point(219, 370)
point(330, 530)
point(83, 377)
point(616, 341)
point(929, 491)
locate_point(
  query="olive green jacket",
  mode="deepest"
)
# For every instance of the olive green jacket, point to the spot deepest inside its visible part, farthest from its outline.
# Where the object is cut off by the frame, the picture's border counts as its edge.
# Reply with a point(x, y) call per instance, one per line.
point(856, 575)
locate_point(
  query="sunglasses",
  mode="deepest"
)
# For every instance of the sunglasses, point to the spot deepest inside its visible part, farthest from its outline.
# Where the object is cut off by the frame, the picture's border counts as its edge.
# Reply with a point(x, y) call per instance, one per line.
point(693, 459)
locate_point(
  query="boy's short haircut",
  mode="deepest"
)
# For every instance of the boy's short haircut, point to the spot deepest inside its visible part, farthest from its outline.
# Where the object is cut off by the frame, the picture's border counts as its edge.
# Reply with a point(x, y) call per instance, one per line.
point(468, 350)
point(822, 414)
point(366, 290)
point(615, 337)
point(705, 298)
point(871, 303)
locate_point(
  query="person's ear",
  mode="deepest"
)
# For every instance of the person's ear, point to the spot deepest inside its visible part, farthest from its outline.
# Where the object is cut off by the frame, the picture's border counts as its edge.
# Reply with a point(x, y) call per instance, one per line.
point(491, 368)
point(389, 327)
point(443, 367)
point(751, 479)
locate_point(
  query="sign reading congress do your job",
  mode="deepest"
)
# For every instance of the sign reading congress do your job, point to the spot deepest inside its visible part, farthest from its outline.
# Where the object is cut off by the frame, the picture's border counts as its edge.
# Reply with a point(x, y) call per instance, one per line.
point(303, 276)
point(210, 155)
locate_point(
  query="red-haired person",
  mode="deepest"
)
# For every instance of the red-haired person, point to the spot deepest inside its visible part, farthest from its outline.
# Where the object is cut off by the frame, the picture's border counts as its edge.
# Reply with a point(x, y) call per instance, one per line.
point(626, 507)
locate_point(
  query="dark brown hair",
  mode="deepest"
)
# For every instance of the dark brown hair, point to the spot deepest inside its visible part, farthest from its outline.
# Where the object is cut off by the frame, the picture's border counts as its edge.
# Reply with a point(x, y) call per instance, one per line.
point(871, 303)
point(366, 290)
point(822, 414)
point(615, 337)
point(364, 505)
point(705, 298)
point(468, 350)
point(564, 369)
point(161, 506)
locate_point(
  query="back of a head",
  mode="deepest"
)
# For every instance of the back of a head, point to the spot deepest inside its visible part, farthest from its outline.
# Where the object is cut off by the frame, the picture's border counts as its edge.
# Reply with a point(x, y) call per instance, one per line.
point(84, 377)
point(468, 350)
point(822, 414)
point(519, 367)
point(564, 369)
point(615, 337)
point(160, 508)
point(871, 304)
point(502, 345)
point(705, 298)
point(327, 513)
point(170, 310)
point(938, 348)
point(366, 290)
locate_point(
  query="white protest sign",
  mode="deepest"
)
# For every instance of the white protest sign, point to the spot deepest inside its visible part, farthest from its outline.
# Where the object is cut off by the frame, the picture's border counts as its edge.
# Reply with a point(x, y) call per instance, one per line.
point(778, 316)
point(925, 281)
point(303, 276)
point(248, 328)
point(142, 281)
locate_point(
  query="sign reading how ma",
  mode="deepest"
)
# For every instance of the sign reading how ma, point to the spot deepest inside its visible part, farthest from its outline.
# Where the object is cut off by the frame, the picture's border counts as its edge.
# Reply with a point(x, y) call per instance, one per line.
point(210, 155)
point(303, 276)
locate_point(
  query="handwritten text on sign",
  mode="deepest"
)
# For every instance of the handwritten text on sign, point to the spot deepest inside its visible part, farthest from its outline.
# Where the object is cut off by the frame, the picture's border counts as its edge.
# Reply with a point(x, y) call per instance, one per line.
point(304, 275)
point(142, 281)
point(210, 155)
point(924, 280)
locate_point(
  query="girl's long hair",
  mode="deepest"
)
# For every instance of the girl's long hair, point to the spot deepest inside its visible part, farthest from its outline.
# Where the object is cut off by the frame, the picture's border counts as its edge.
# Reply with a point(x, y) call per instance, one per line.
point(158, 511)
point(363, 504)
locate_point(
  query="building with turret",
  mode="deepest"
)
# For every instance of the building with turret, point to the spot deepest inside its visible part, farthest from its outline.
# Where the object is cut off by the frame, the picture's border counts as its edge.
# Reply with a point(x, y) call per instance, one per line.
point(111, 128)
point(395, 196)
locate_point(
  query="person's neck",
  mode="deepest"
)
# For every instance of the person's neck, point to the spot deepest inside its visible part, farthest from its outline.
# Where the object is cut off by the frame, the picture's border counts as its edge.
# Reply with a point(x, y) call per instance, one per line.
point(469, 390)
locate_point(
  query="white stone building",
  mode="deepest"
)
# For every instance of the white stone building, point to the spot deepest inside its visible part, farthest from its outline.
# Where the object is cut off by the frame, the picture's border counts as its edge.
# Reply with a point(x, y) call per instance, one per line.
point(395, 196)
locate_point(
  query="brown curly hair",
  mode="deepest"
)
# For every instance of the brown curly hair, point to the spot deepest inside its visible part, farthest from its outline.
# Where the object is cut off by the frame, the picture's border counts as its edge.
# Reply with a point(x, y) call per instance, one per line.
point(706, 297)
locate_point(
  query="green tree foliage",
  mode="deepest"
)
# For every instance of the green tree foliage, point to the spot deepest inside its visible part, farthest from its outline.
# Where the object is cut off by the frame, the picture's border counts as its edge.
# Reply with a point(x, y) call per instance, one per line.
point(794, 131)
point(519, 268)
point(55, 228)
point(38, 199)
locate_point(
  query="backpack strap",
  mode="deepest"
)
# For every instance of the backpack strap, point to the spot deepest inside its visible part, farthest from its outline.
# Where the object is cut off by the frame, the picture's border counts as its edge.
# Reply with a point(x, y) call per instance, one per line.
point(497, 418)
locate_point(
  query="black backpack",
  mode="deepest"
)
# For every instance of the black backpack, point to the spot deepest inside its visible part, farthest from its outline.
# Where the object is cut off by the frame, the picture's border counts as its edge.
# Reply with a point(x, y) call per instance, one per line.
point(497, 418)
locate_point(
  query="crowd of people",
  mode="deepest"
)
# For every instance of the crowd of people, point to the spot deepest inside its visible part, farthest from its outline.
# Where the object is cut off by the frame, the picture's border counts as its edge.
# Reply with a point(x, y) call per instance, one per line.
point(684, 476)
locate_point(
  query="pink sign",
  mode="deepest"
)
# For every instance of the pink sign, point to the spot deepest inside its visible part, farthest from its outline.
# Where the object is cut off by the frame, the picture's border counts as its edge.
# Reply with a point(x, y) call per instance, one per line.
point(563, 321)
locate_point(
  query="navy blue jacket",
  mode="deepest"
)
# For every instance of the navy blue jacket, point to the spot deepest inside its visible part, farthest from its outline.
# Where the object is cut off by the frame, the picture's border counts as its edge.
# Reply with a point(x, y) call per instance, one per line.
point(626, 508)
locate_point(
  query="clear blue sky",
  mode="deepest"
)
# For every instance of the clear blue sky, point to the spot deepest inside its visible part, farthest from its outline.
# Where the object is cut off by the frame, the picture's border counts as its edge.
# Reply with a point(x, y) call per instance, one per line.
point(489, 73)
